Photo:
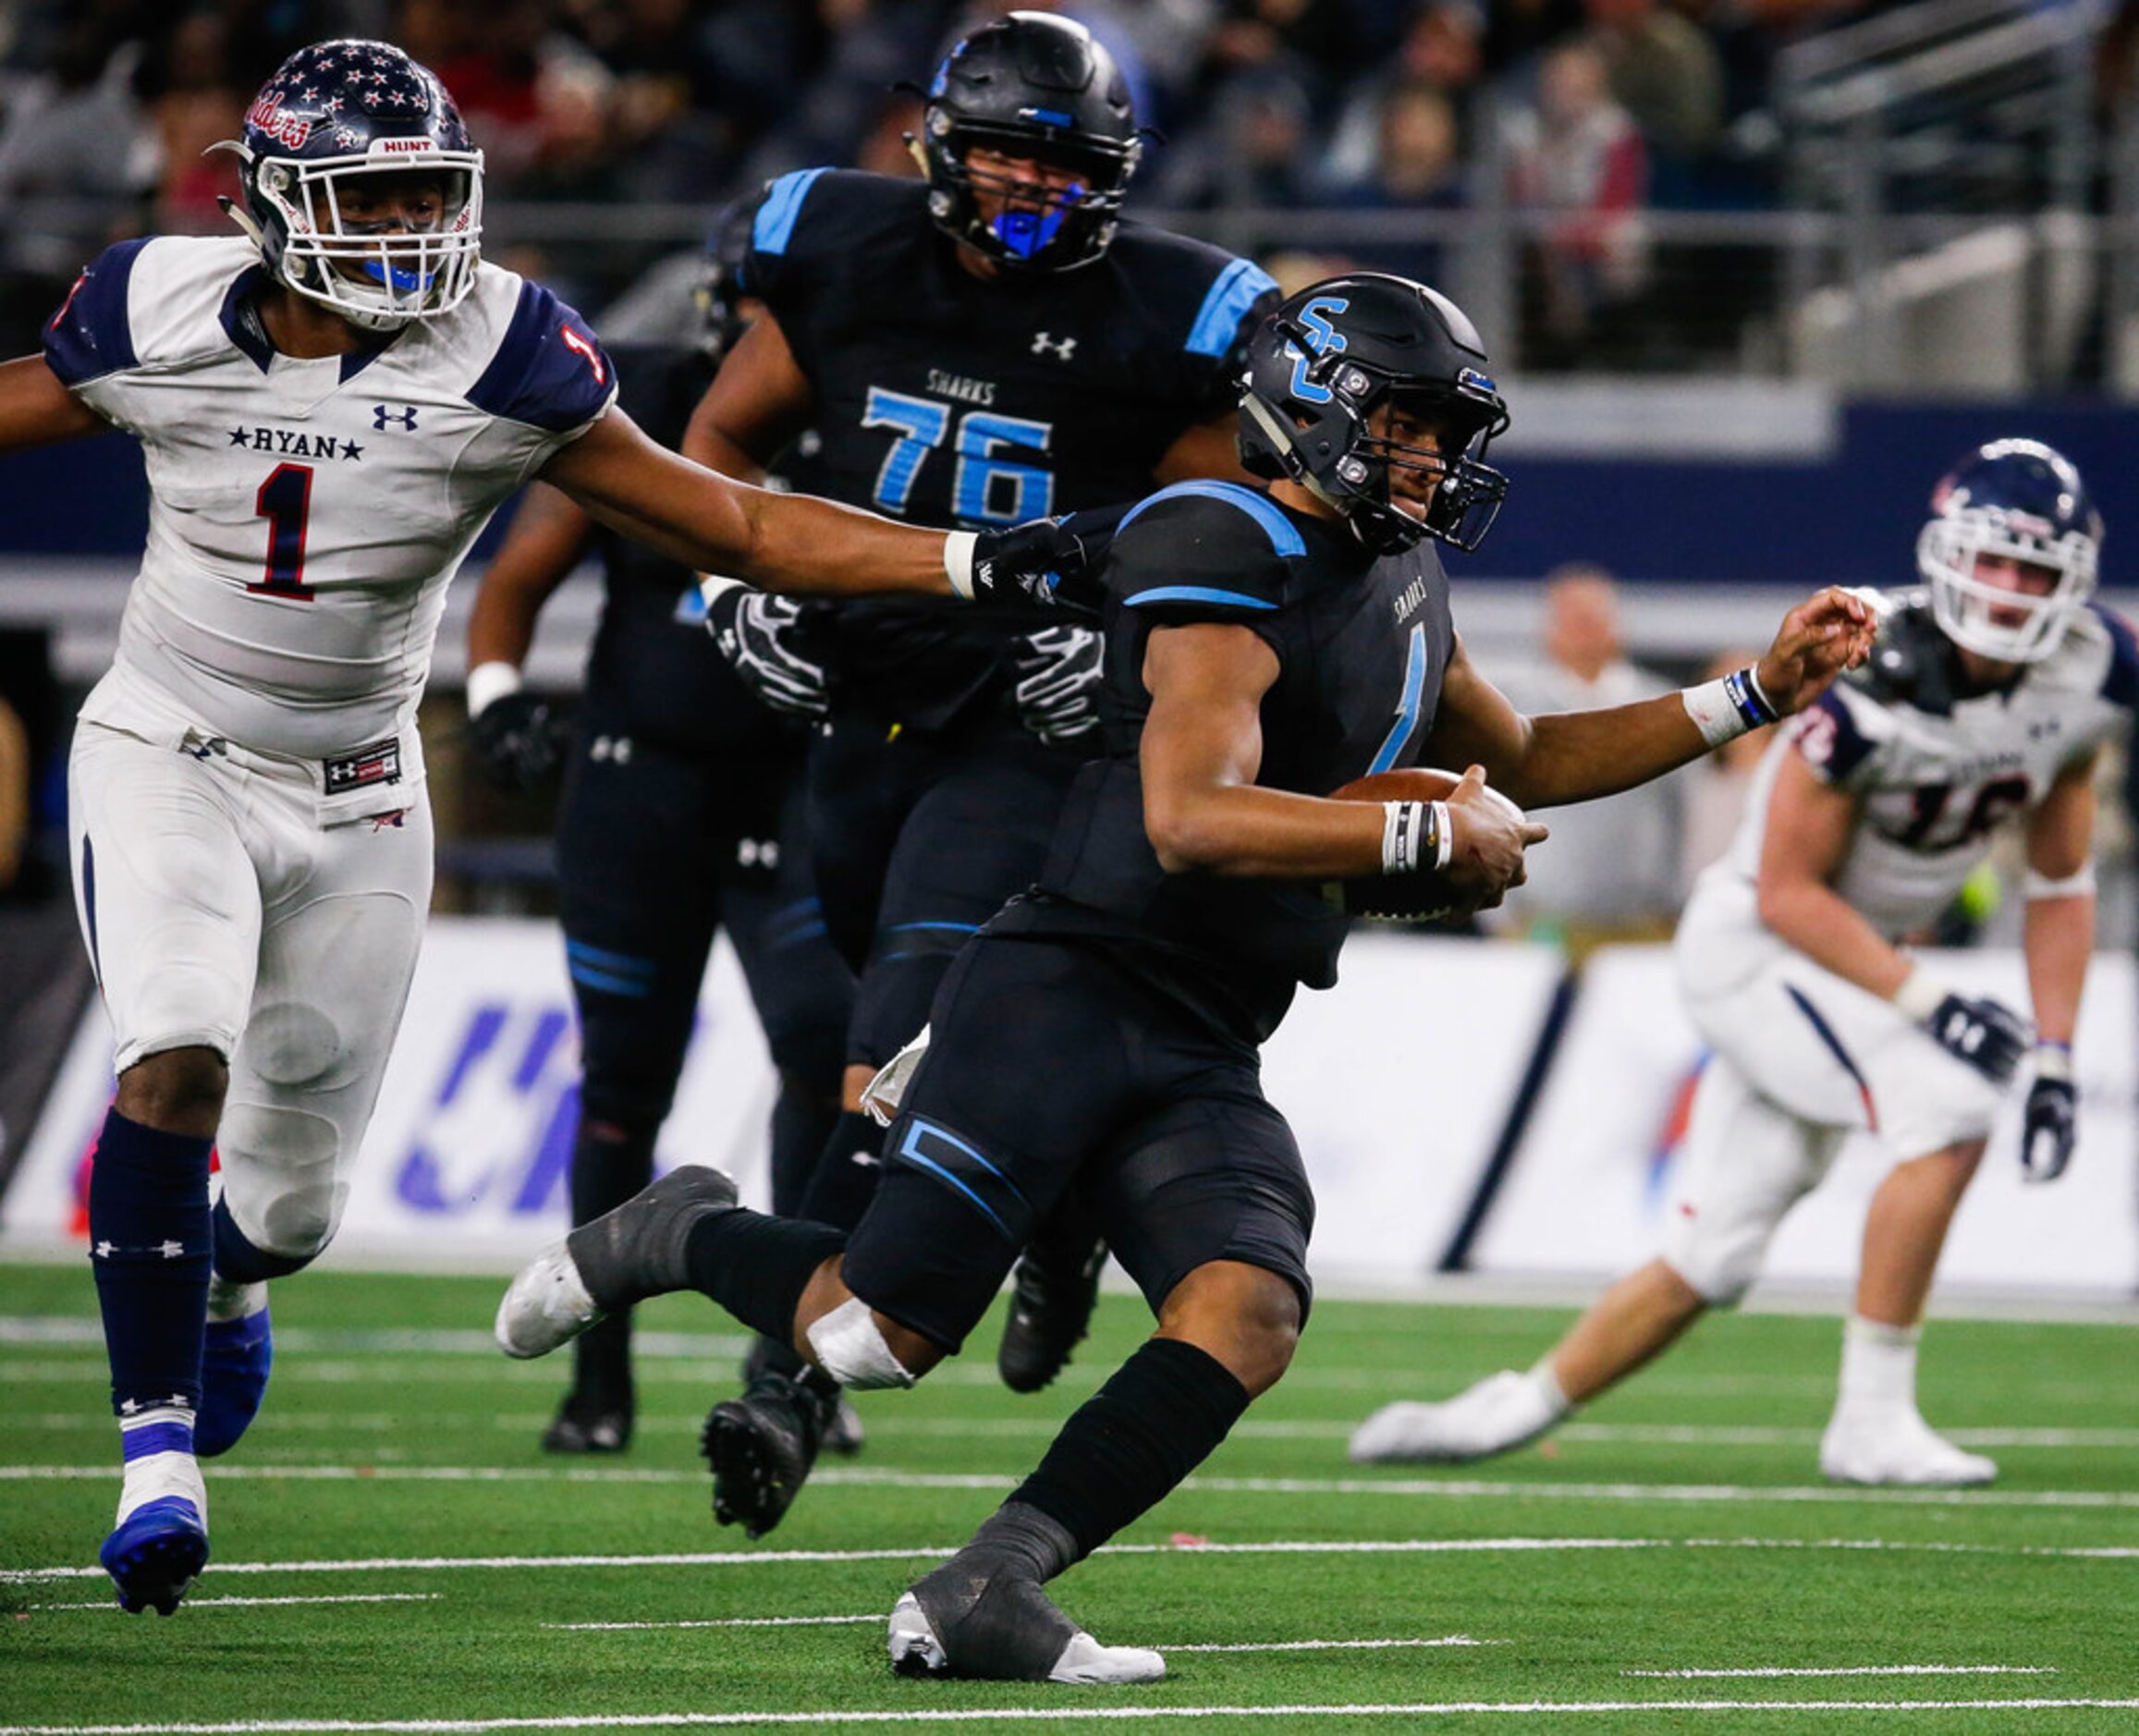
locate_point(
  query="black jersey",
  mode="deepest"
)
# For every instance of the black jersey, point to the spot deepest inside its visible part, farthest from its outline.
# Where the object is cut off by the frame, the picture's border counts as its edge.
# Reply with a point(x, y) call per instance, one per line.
point(655, 671)
point(952, 401)
point(1362, 645)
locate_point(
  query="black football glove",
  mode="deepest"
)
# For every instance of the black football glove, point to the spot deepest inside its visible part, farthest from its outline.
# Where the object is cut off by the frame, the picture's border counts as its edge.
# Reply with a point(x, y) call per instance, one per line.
point(2051, 1127)
point(518, 741)
point(763, 637)
point(1988, 1035)
point(1046, 560)
point(1058, 682)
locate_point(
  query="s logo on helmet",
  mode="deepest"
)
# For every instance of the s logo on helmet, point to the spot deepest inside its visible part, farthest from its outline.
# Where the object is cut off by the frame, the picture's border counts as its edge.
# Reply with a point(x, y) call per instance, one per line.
point(279, 124)
point(1323, 339)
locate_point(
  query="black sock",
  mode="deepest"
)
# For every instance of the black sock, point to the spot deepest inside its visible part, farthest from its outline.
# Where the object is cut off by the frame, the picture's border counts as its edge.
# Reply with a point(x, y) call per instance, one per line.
point(610, 1163)
point(841, 1189)
point(238, 1261)
point(1126, 1448)
point(149, 1239)
point(757, 1266)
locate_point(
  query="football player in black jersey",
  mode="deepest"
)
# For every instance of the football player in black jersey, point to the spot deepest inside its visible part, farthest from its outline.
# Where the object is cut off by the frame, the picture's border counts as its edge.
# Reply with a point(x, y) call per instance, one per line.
point(994, 343)
point(1098, 1039)
point(681, 814)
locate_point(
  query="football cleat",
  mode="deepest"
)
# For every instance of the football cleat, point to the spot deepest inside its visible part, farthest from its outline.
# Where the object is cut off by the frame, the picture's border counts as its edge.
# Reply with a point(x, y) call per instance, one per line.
point(1500, 1412)
point(1027, 1639)
point(1051, 1304)
point(761, 1448)
point(236, 1358)
point(586, 1424)
point(622, 1257)
point(1898, 1447)
point(155, 1554)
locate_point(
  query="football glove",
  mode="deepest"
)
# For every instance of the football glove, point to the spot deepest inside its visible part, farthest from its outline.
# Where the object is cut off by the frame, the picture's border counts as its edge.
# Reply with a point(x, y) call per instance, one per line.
point(2051, 1126)
point(1985, 1033)
point(762, 637)
point(1045, 561)
point(519, 740)
point(1058, 682)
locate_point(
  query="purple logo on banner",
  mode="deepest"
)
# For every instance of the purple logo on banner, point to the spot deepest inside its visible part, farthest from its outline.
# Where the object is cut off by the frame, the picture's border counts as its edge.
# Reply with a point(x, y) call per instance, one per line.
point(514, 1068)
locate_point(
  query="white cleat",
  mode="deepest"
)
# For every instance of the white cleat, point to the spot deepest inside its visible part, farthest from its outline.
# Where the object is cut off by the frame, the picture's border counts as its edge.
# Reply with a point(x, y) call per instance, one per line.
point(546, 1305)
point(1898, 1447)
point(1500, 1412)
point(916, 1651)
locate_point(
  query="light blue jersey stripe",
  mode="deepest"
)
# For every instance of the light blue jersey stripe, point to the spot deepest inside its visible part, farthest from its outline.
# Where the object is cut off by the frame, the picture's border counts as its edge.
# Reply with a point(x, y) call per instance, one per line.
point(1284, 534)
point(1225, 305)
point(774, 223)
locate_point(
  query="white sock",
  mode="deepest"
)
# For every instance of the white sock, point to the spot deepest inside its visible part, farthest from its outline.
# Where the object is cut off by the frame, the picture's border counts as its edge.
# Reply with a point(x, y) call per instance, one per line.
point(1549, 1391)
point(154, 1475)
point(1878, 1366)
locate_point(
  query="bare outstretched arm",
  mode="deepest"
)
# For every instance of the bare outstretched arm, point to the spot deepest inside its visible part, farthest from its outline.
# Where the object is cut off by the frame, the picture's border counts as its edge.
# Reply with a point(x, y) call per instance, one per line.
point(37, 410)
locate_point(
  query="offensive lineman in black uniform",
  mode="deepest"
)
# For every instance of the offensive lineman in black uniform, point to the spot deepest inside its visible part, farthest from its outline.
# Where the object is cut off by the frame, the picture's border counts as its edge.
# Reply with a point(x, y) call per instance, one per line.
point(989, 346)
point(1099, 1037)
point(681, 814)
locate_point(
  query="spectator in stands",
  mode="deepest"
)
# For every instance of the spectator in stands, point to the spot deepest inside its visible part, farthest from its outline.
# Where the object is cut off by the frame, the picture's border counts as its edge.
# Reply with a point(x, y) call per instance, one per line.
point(1251, 153)
point(1443, 46)
point(1610, 872)
point(1416, 167)
point(1577, 156)
point(1663, 70)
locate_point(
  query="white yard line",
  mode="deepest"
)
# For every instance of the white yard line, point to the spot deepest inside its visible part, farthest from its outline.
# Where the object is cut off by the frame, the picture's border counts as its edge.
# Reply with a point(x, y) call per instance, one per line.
point(111, 1606)
point(729, 1621)
point(1865, 1669)
point(1468, 1489)
point(1335, 1645)
point(1408, 1545)
point(1040, 1715)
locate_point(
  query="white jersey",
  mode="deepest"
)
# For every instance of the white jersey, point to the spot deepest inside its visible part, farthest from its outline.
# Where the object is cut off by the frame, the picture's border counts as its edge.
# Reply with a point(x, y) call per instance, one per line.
point(1934, 773)
point(305, 515)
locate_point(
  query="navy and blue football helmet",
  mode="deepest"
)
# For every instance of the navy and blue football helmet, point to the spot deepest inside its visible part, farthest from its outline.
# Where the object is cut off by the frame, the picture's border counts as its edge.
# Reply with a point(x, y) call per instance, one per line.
point(1331, 355)
point(1037, 87)
point(2015, 500)
point(336, 112)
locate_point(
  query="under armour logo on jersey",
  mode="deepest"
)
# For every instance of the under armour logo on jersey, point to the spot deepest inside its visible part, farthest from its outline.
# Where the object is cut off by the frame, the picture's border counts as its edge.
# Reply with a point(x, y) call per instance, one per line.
point(405, 416)
point(1048, 344)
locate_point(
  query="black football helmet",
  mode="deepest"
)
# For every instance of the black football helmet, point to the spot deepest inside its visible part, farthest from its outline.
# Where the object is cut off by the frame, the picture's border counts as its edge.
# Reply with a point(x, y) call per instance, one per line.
point(336, 112)
point(2019, 500)
point(1330, 356)
point(1035, 86)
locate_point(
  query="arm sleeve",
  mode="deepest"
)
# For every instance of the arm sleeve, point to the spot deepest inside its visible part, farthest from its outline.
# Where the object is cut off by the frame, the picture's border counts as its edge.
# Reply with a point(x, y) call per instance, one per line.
point(549, 373)
point(91, 336)
point(1216, 352)
point(779, 267)
point(1205, 552)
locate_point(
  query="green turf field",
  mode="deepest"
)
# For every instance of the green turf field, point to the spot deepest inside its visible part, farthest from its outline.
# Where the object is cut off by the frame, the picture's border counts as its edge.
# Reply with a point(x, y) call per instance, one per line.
point(392, 1551)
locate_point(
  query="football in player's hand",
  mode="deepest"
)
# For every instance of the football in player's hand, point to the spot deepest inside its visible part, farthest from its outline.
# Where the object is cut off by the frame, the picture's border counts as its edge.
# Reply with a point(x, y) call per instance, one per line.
point(1405, 898)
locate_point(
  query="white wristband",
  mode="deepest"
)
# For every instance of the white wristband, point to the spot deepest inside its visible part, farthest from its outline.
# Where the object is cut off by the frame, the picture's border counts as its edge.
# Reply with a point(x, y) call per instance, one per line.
point(1445, 832)
point(1722, 710)
point(2079, 884)
point(713, 586)
point(488, 683)
point(958, 561)
point(2053, 1060)
point(1919, 996)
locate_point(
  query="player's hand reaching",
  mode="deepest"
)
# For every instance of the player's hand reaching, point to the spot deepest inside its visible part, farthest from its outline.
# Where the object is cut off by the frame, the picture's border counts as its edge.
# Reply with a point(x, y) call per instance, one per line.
point(2051, 1127)
point(1059, 681)
point(519, 740)
point(1489, 836)
point(1052, 561)
point(1829, 632)
point(764, 640)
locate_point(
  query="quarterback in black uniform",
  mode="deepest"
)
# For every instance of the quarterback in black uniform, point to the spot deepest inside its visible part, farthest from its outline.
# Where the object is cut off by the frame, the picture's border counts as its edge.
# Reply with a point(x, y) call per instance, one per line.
point(681, 814)
point(1098, 1039)
point(990, 344)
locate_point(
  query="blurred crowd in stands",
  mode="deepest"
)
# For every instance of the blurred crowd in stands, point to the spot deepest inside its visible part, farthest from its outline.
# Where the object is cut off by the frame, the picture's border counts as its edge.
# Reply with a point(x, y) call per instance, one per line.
point(1597, 110)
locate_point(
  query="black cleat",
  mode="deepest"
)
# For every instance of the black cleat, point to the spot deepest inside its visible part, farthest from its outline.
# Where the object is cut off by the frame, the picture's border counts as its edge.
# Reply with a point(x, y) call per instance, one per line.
point(760, 1447)
point(1051, 1301)
point(585, 1424)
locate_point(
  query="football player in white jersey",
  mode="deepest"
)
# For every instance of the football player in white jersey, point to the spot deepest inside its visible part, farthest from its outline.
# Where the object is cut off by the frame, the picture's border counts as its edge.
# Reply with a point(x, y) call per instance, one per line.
point(331, 405)
point(1988, 695)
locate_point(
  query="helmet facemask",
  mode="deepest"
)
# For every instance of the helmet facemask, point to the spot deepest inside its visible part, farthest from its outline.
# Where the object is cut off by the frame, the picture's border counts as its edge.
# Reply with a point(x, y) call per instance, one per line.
point(377, 273)
point(1037, 226)
point(1968, 609)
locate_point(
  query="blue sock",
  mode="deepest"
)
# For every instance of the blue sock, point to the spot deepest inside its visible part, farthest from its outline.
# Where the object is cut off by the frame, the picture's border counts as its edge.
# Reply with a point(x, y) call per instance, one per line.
point(149, 1247)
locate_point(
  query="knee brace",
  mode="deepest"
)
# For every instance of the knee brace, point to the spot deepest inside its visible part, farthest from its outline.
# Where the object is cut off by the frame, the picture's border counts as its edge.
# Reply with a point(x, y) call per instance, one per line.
point(852, 1349)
